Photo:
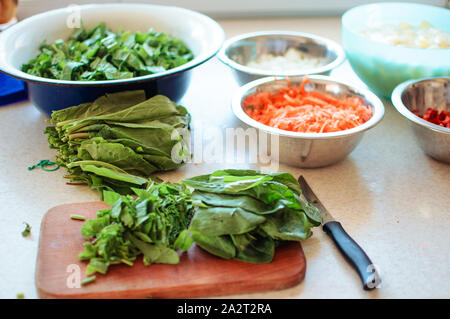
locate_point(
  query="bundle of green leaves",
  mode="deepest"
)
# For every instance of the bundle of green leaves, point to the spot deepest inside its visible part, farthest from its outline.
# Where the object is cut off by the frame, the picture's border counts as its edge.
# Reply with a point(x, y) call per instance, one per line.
point(245, 214)
point(100, 54)
point(117, 141)
point(152, 225)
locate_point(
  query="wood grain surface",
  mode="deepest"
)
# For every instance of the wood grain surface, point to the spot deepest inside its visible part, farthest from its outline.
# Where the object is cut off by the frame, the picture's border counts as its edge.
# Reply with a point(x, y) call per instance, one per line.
point(199, 274)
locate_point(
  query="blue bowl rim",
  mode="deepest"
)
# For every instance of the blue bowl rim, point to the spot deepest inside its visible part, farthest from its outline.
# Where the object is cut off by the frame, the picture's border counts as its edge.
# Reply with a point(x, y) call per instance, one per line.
point(20, 75)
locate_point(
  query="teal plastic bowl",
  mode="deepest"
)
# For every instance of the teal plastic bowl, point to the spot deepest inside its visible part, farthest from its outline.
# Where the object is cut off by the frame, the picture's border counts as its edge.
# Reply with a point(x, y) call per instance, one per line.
point(382, 66)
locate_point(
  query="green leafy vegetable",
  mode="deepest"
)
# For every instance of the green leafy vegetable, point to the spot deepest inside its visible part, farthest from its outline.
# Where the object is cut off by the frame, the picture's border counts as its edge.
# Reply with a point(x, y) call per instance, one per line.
point(88, 280)
point(77, 217)
point(26, 232)
point(119, 140)
point(152, 225)
point(100, 54)
point(245, 214)
point(184, 241)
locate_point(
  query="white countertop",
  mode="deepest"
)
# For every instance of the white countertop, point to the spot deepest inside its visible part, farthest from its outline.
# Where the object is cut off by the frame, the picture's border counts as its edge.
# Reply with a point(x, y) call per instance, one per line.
point(389, 196)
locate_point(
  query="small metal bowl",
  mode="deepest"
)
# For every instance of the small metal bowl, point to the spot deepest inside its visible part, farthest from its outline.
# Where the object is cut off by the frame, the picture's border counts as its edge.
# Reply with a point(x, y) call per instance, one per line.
point(309, 149)
point(238, 51)
point(420, 95)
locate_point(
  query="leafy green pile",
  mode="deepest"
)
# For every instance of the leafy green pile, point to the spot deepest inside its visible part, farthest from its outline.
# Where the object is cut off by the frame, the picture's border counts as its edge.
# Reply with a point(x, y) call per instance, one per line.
point(153, 225)
point(100, 54)
point(117, 141)
point(245, 214)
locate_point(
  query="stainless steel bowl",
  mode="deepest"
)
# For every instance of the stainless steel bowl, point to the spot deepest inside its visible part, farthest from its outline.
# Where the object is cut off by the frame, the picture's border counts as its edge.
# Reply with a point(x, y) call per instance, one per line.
point(238, 51)
point(419, 95)
point(310, 149)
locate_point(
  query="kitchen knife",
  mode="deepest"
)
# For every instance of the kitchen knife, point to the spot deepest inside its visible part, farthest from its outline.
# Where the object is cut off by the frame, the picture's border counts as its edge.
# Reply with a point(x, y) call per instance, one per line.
point(349, 248)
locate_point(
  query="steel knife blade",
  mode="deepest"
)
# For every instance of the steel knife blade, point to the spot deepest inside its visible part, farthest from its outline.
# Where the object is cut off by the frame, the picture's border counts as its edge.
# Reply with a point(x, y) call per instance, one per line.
point(311, 198)
point(354, 254)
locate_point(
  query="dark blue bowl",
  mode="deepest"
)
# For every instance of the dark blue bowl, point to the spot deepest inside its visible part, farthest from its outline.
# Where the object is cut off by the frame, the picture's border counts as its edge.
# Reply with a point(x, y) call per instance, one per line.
point(49, 97)
point(19, 43)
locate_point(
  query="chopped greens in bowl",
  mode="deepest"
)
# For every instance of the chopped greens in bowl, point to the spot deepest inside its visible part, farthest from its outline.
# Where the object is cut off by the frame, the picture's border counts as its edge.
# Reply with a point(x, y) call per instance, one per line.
point(200, 35)
point(100, 54)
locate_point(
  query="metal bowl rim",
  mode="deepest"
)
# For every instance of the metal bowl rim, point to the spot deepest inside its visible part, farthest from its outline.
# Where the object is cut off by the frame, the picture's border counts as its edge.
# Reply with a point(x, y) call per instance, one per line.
point(396, 99)
point(375, 102)
point(335, 47)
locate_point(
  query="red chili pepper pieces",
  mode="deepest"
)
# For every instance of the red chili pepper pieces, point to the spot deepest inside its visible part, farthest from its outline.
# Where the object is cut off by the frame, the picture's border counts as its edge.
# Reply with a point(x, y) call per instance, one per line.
point(441, 118)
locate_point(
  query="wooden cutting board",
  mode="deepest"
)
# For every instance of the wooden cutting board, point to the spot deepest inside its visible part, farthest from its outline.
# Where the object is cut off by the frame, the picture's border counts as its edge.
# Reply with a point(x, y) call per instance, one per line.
point(199, 274)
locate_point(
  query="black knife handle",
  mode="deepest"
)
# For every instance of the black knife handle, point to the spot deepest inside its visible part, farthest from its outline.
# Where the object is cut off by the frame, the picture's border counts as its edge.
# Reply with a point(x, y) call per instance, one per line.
point(354, 254)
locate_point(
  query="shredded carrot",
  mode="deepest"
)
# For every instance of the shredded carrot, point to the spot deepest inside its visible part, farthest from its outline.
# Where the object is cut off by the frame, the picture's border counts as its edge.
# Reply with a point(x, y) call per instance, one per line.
point(296, 109)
